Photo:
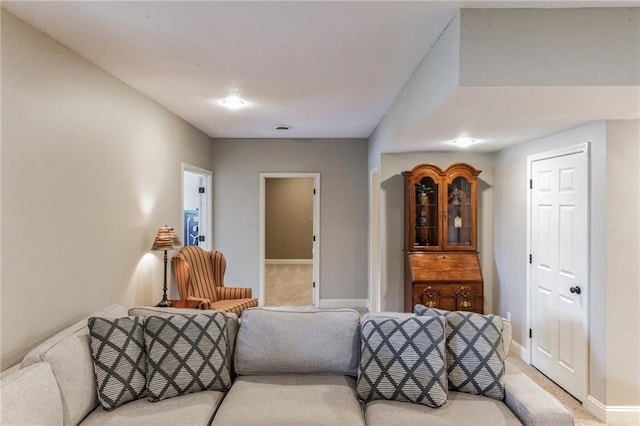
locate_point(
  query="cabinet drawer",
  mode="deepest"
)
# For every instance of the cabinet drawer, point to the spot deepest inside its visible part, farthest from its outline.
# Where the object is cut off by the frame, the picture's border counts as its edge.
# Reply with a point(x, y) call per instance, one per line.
point(451, 297)
point(446, 303)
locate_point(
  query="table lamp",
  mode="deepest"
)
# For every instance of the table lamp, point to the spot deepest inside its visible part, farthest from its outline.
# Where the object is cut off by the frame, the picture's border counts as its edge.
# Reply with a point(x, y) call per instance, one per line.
point(166, 239)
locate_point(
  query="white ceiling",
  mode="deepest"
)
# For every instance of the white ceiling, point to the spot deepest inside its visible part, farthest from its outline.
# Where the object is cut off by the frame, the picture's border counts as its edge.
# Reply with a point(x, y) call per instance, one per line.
point(329, 69)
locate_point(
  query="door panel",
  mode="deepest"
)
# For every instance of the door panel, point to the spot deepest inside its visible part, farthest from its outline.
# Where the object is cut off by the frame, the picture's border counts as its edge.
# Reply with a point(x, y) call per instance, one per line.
point(559, 248)
point(565, 245)
point(544, 332)
point(544, 242)
point(566, 355)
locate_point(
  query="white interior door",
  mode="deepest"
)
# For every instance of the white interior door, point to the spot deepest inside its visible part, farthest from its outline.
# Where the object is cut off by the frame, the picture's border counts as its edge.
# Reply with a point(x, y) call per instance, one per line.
point(559, 278)
point(196, 206)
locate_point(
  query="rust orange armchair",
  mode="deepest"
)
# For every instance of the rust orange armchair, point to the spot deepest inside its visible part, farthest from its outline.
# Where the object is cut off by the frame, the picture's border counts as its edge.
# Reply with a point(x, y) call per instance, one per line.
point(200, 276)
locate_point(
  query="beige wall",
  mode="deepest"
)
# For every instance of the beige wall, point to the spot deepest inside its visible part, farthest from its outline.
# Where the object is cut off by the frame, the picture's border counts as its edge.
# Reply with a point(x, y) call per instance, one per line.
point(623, 264)
point(90, 170)
point(342, 164)
point(288, 218)
point(550, 47)
point(434, 81)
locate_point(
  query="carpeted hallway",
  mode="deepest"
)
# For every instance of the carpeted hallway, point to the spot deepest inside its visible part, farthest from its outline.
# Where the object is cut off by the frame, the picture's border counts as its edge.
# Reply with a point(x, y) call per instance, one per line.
point(288, 284)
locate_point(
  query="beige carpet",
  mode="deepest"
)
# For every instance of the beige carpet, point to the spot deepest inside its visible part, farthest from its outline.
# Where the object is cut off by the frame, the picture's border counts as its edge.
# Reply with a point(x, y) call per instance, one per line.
point(581, 416)
point(288, 284)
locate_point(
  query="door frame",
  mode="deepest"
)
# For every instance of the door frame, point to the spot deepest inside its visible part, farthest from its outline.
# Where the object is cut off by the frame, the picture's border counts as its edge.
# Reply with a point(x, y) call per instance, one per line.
point(374, 240)
point(207, 214)
point(316, 230)
point(573, 149)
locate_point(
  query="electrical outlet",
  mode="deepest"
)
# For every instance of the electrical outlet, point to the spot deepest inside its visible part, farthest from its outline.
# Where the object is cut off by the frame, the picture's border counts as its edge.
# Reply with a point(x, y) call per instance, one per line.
point(508, 316)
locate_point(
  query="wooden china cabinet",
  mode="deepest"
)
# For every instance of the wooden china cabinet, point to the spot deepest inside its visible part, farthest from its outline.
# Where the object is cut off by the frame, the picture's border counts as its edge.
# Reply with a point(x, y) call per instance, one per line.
point(441, 266)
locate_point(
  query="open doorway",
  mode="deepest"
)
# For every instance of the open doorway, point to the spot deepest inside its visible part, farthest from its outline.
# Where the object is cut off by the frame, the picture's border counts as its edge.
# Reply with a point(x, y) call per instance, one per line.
point(289, 249)
point(196, 207)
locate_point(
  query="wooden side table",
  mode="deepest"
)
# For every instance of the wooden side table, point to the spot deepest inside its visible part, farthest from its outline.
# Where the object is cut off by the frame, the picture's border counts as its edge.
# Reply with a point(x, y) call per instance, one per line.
point(188, 304)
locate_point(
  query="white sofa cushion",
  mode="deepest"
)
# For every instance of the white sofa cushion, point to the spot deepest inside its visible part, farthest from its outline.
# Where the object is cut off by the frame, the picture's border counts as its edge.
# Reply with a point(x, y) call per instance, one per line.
point(30, 396)
point(272, 341)
point(291, 399)
point(38, 353)
point(460, 409)
point(192, 409)
point(69, 354)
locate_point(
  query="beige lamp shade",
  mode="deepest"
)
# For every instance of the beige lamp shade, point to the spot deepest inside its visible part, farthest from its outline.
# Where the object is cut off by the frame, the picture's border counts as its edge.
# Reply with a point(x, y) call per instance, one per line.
point(166, 239)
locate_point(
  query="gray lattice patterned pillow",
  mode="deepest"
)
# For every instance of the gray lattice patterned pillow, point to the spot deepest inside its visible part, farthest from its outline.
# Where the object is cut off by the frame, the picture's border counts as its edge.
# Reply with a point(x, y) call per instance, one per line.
point(403, 360)
point(475, 351)
point(186, 353)
point(117, 349)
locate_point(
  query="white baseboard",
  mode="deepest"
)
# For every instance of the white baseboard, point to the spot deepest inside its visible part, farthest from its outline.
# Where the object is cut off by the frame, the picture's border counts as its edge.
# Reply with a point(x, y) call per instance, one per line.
point(613, 414)
point(519, 351)
point(596, 408)
point(343, 303)
point(623, 414)
point(288, 261)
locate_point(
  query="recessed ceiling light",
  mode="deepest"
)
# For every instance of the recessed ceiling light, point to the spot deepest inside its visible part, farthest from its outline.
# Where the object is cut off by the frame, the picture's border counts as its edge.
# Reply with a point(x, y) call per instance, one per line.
point(233, 102)
point(282, 127)
point(464, 142)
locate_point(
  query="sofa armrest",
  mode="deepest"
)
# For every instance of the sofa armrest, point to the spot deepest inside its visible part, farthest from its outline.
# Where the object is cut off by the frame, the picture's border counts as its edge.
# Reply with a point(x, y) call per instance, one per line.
point(229, 293)
point(532, 404)
point(31, 396)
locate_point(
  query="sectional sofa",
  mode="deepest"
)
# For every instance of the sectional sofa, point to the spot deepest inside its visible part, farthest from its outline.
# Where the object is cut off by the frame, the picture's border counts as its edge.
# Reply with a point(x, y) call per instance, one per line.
point(274, 367)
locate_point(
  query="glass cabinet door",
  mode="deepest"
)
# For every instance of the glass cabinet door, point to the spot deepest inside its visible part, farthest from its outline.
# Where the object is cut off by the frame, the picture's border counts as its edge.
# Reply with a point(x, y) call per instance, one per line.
point(426, 213)
point(440, 208)
point(459, 213)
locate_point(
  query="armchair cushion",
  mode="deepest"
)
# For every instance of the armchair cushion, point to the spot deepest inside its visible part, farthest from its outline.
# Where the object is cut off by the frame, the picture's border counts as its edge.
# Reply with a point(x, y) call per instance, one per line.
point(235, 306)
point(202, 280)
point(228, 293)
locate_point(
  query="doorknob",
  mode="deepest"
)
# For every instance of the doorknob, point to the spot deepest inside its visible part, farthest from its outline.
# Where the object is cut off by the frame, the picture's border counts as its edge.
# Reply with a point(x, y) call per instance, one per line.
point(576, 289)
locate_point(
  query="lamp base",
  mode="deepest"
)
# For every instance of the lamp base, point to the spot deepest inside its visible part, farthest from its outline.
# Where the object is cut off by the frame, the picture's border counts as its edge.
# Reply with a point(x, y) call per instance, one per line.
point(166, 303)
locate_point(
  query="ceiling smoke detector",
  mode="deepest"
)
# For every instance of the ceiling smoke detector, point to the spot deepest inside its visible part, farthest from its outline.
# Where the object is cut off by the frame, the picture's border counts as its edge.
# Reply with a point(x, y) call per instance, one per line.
point(282, 127)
